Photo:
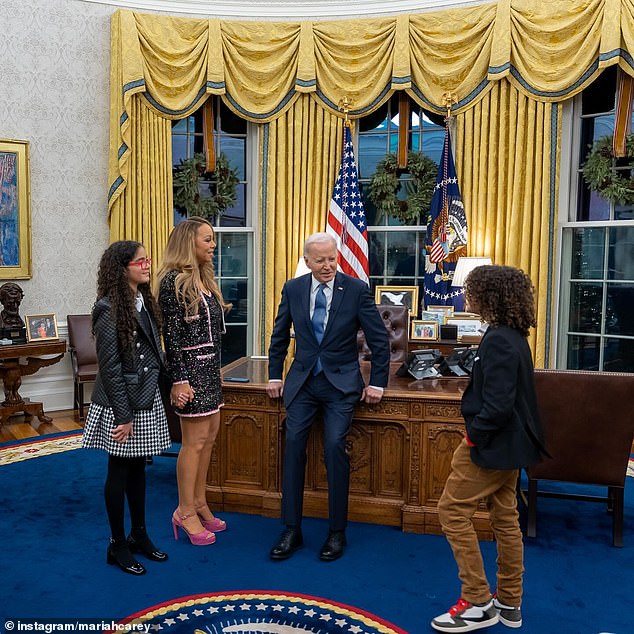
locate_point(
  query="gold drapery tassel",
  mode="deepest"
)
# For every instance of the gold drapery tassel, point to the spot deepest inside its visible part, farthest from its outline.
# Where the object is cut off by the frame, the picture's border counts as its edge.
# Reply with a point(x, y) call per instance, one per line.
point(344, 105)
point(623, 115)
point(403, 129)
point(208, 135)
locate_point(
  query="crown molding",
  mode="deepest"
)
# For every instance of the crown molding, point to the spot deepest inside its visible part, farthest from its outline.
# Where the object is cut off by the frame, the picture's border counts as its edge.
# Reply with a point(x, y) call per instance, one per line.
point(287, 9)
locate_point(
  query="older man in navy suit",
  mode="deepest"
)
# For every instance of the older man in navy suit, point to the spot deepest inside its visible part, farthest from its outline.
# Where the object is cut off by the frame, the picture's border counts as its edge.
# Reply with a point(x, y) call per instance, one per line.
point(326, 309)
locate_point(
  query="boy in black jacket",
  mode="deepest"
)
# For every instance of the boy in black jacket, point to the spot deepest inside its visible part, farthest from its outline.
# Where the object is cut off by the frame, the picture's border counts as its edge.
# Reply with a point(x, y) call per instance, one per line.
point(503, 434)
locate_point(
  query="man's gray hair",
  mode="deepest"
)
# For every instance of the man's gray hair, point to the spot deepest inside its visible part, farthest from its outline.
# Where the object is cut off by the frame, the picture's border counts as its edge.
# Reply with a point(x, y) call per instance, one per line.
point(321, 236)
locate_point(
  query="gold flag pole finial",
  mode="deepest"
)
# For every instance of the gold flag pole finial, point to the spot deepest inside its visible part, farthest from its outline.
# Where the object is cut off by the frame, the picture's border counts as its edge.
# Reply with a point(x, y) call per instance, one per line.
point(344, 106)
point(448, 99)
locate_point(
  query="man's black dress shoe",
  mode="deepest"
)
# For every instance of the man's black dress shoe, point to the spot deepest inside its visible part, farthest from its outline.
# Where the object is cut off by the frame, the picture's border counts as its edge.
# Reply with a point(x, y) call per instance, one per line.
point(333, 546)
point(290, 541)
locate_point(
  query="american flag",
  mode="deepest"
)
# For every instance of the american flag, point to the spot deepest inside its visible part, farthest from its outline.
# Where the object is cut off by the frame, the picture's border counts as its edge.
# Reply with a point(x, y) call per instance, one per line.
point(346, 216)
point(446, 235)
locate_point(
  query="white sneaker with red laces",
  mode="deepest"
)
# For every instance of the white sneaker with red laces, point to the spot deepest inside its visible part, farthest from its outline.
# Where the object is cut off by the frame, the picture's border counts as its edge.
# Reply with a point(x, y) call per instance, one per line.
point(466, 617)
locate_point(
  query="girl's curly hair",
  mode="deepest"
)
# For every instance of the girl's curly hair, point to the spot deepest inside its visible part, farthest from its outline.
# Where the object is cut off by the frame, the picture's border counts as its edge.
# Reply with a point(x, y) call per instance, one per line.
point(503, 295)
point(112, 283)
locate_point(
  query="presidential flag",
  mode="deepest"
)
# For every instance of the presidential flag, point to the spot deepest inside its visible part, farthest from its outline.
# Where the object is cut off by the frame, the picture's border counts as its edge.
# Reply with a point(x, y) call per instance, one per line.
point(346, 216)
point(446, 239)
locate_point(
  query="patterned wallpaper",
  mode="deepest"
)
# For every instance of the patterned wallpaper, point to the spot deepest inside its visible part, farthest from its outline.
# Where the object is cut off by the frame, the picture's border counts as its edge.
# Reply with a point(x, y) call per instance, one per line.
point(54, 83)
point(54, 93)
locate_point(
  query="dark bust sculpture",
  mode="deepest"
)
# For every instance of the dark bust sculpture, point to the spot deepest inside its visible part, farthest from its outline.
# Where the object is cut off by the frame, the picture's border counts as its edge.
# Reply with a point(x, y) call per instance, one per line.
point(10, 296)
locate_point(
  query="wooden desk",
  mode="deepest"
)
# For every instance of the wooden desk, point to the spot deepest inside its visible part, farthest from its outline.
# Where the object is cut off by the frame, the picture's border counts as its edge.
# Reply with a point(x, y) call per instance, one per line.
point(400, 452)
point(446, 346)
point(12, 371)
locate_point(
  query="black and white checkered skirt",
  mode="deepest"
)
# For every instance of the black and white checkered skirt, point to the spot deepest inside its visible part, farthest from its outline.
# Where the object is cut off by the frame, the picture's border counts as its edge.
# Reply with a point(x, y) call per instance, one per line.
point(150, 434)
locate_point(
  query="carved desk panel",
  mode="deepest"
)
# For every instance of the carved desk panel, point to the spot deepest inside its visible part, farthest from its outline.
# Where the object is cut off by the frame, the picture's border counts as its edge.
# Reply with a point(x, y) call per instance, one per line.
point(400, 452)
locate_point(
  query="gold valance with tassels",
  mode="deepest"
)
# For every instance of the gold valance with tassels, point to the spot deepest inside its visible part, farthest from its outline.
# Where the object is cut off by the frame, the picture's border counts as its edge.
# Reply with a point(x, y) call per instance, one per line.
point(548, 51)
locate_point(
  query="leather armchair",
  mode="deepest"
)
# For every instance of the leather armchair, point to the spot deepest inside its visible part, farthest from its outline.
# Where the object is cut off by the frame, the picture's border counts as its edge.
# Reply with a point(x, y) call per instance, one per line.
point(396, 319)
point(588, 427)
point(83, 354)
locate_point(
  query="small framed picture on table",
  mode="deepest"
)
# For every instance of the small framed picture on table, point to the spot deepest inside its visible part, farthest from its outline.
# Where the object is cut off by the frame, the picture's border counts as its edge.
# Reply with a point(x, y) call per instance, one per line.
point(424, 330)
point(41, 327)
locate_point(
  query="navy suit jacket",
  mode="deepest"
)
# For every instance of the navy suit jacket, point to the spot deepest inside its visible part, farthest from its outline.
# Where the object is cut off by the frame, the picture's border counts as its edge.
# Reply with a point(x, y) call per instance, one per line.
point(352, 307)
point(500, 405)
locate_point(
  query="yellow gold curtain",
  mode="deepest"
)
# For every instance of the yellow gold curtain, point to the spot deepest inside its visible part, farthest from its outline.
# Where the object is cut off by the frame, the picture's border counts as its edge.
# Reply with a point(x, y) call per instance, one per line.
point(507, 153)
point(144, 210)
point(546, 52)
point(299, 169)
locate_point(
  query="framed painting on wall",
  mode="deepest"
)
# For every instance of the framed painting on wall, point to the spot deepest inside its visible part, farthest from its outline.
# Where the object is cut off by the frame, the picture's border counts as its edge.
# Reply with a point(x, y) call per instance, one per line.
point(15, 212)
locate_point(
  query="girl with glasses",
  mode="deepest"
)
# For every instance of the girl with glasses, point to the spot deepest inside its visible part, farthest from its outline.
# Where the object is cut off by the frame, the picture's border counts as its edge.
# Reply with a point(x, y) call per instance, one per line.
point(126, 417)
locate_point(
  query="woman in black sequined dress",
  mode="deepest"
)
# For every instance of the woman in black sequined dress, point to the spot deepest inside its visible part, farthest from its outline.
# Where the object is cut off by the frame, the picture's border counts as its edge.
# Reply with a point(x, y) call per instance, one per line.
point(193, 322)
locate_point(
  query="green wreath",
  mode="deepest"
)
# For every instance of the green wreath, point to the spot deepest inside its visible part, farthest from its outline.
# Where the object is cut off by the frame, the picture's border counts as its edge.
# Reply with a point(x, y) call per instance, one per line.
point(599, 175)
point(385, 184)
point(187, 179)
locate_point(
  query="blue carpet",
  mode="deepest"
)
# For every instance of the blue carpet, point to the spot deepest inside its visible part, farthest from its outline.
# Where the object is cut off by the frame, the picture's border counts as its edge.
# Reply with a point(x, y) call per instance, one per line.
point(54, 536)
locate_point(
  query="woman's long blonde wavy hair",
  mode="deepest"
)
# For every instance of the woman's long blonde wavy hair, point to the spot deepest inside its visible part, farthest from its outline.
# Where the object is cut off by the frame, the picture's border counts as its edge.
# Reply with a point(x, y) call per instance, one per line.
point(180, 255)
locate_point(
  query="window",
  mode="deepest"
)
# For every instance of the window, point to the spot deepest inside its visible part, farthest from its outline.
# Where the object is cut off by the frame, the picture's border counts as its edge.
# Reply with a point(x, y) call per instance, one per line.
point(597, 294)
point(233, 261)
point(396, 248)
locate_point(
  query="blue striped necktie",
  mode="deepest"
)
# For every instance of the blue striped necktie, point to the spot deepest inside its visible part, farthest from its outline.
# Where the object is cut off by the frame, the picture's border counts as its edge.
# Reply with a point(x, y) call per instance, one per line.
point(318, 319)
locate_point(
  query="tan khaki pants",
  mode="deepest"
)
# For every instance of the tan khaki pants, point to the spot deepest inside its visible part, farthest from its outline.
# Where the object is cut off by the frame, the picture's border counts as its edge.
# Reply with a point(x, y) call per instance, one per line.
point(466, 486)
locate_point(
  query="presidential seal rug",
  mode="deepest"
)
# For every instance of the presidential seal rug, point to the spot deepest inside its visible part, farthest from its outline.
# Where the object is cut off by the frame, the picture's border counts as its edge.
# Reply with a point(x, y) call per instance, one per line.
point(260, 612)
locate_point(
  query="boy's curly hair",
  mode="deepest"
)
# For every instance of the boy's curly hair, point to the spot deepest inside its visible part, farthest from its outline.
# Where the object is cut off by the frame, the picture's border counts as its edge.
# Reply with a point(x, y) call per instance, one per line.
point(503, 295)
point(112, 282)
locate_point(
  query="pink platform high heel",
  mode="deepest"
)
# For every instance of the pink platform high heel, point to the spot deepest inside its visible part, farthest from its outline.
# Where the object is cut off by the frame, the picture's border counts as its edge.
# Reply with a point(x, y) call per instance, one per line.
point(203, 538)
point(215, 525)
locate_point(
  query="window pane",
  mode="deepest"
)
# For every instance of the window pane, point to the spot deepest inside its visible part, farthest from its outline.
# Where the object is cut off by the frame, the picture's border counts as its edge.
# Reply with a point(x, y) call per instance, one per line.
point(588, 245)
point(618, 355)
point(234, 343)
point(236, 216)
point(583, 353)
point(372, 216)
point(619, 318)
point(401, 257)
point(432, 144)
point(179, 149)
point(376, 248)
point(585, 307)
point(235, 291)
point(234, 254)
point(372, 150)
point(235, 150)
point(599, 95)
point(592, 206)
point(621, 261)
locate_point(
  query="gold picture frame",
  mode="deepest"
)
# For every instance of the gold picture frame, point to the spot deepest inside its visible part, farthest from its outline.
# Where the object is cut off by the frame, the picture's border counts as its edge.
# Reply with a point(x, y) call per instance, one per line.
point(15, 216)
point(398, 296)
point(467, 326)
point(41, 327)
point(424, 330)
point(447, 311)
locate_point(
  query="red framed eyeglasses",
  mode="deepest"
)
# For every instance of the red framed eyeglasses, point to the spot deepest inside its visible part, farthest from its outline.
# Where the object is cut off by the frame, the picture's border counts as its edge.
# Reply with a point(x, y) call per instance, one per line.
point(144, 264)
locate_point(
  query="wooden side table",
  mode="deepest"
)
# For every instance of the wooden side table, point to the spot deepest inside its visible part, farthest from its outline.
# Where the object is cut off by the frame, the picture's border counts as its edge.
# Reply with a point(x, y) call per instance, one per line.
point(12, 371)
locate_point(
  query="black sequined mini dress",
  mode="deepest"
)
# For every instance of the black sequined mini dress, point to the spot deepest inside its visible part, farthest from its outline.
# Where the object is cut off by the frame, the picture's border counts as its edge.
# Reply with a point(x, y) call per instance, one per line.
point(192, 346)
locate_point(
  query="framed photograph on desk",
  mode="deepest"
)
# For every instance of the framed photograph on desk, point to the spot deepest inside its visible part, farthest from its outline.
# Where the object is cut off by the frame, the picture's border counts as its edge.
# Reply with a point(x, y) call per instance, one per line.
point(467, 326)
point(424, 330)
point(41, 327)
